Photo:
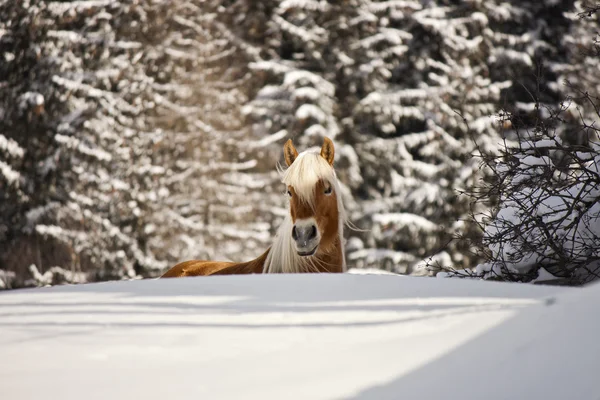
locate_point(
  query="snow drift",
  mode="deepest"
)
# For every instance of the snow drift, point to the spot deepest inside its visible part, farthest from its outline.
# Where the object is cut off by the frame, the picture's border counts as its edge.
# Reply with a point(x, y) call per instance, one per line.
point(299, 337)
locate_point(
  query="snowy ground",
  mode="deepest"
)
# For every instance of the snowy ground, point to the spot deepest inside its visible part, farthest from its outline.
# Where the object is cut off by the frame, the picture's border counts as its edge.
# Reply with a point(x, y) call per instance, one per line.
point(300, 337)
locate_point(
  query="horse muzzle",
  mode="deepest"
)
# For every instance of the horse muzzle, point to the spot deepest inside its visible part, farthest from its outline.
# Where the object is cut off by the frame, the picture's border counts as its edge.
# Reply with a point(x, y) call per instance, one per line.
point(306, 237)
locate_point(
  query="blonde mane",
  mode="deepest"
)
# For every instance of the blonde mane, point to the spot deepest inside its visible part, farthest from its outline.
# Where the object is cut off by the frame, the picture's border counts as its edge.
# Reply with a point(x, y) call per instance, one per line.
point(304, 173)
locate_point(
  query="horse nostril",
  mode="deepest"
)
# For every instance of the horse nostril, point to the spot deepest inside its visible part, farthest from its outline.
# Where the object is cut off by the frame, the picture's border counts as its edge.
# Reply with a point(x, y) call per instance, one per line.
point(313, 232)
point(294, 233)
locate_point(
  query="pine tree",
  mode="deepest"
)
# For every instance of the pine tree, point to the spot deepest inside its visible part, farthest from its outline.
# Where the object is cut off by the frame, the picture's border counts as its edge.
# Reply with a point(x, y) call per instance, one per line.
point(135, 134)
point(123, 149)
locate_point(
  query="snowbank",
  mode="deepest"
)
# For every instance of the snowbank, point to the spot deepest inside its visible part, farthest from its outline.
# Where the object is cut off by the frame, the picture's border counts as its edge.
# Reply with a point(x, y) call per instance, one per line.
point(299, 337)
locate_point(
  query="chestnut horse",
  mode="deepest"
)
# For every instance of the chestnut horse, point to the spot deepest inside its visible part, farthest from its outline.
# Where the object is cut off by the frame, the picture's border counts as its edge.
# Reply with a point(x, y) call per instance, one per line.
point(311, 236)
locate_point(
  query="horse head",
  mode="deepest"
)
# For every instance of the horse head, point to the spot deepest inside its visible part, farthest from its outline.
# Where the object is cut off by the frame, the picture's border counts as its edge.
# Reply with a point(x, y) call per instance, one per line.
point(315, 206)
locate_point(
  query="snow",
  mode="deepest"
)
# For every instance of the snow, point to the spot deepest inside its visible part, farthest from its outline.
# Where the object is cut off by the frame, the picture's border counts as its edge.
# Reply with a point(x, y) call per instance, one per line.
point(404, 219)
point(10, 175)
point(317, 34)
point(366, 259)
point(530, 161)
point(299, 336)
point(557, 217)
point(370, 271)
point(29, 99)
point(300, 78)
point(306, 111)
point(74, 143)
point(10, 147)
point(540, 144)
point(304, 4)
point(403, 4)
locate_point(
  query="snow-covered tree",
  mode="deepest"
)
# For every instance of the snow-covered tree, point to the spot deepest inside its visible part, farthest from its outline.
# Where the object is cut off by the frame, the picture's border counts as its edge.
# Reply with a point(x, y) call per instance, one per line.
point(135, 134)
point(122, 144)
point(546, 226)
point(400, 81)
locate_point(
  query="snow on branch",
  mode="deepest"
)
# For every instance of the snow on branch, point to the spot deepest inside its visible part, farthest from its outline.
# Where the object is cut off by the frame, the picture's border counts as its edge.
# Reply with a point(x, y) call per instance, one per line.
point(11, 148)
point(76, 144)
point(9, 175)
point(548, 215)
point(81, 6)
point(382, 6)
point(88, 90)
point(311, 5)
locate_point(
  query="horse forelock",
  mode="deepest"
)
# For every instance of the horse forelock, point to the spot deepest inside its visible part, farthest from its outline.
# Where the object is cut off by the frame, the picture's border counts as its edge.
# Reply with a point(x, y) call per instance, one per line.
point(304, 174)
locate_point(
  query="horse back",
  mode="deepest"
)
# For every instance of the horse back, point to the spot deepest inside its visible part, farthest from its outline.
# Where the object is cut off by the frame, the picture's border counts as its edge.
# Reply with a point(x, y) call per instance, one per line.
point(204, 268)
point(196, 268)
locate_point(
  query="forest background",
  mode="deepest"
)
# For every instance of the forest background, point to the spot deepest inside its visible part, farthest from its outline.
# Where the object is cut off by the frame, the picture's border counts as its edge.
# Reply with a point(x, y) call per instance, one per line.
point(136, 134)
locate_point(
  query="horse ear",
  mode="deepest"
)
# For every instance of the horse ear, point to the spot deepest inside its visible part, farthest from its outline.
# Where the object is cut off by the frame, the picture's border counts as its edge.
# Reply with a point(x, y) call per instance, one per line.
point(290, 153)
point(327, 151)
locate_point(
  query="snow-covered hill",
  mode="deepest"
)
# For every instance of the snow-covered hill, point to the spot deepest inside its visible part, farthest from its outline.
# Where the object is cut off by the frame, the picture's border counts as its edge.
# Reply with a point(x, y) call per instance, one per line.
point(300, 337)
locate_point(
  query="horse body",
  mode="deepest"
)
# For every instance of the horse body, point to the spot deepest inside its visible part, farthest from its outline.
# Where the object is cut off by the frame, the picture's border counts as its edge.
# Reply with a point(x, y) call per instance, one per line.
point(198, 268)
point(310, 238)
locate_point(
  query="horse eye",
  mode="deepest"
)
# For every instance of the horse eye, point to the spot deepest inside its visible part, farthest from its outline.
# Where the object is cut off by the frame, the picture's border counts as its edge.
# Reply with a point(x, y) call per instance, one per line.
point(289, 193)
point(328, 190)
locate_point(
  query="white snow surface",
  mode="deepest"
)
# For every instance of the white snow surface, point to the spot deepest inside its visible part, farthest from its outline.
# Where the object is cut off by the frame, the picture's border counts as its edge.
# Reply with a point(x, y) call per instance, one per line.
point(343, 336)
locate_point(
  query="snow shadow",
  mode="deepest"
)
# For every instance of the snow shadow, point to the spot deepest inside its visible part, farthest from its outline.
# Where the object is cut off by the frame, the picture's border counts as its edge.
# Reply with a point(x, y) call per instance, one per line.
point(547, 351)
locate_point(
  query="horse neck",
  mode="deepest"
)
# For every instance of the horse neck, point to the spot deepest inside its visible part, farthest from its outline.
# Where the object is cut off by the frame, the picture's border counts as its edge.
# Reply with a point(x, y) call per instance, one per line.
point(331, 261)
point(255, 266)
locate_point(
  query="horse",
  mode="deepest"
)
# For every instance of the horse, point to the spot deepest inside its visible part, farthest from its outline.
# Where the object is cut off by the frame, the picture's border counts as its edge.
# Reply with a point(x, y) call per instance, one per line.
point(310, 239)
